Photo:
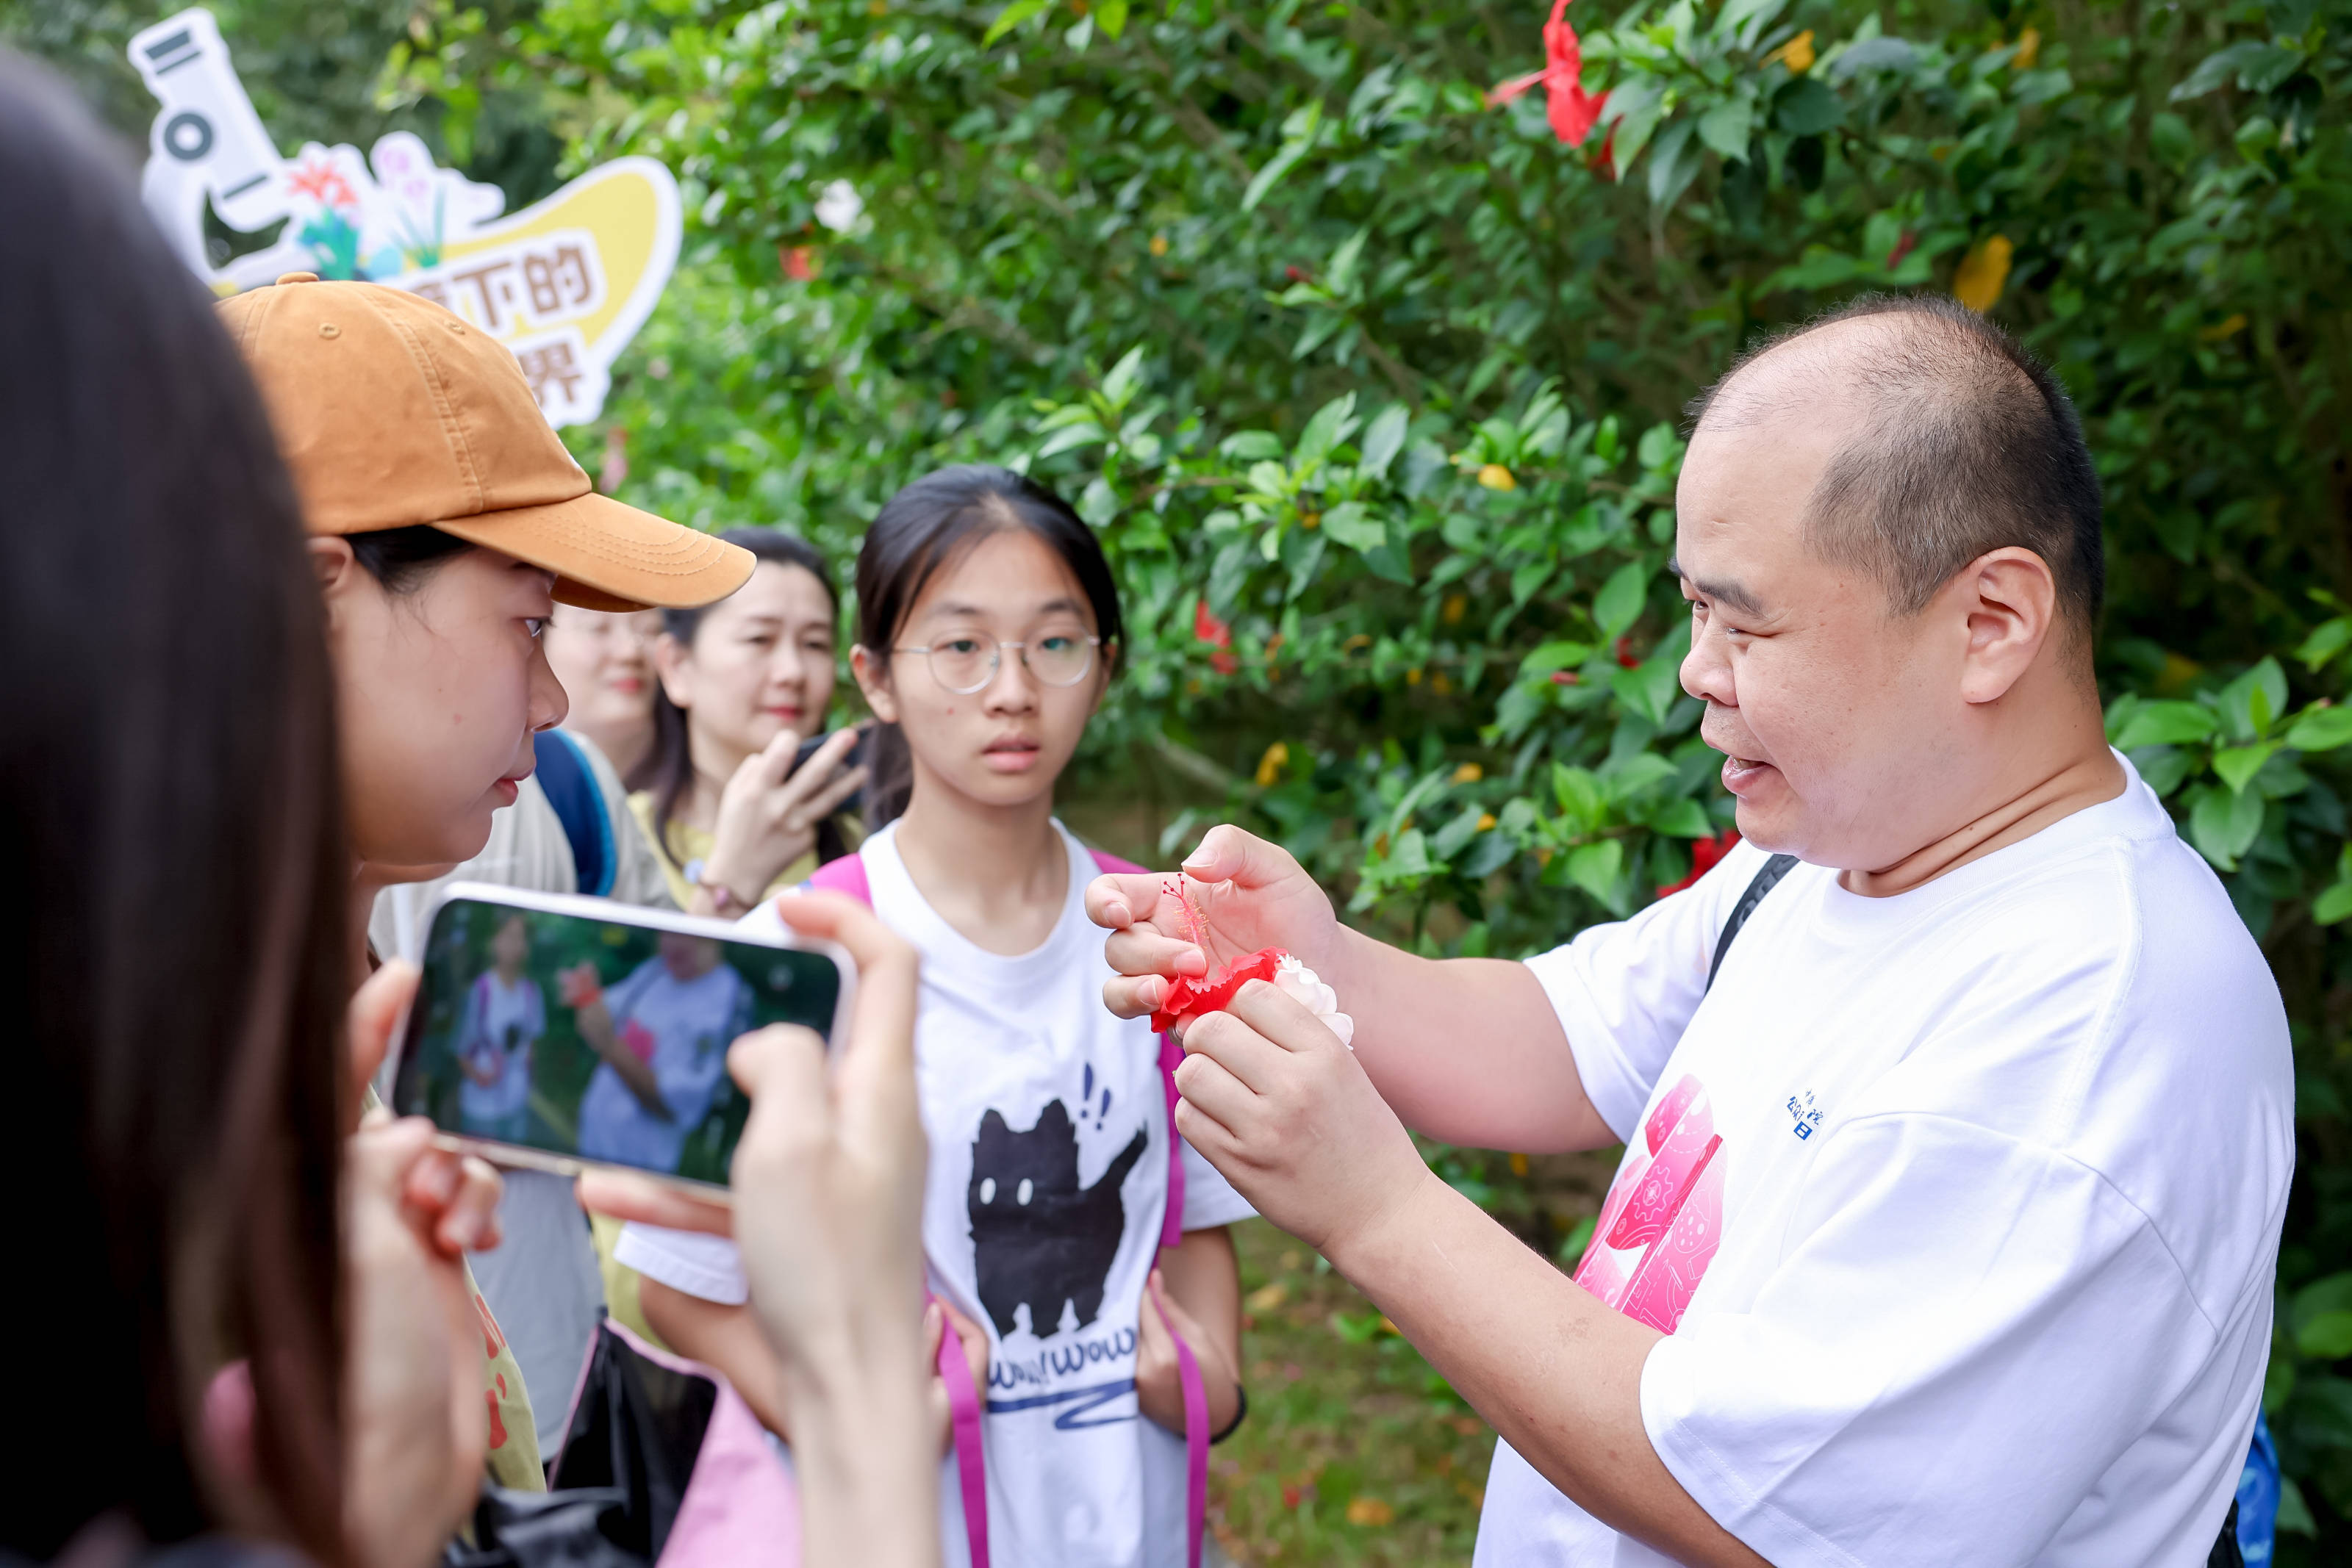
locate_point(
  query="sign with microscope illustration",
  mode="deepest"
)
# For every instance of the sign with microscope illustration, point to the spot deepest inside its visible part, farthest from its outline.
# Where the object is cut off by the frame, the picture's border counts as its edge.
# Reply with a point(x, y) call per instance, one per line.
point(565, 283)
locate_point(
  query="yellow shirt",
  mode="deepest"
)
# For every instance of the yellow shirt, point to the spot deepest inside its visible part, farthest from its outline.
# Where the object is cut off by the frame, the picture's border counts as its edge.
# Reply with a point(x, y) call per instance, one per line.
point(689, 843)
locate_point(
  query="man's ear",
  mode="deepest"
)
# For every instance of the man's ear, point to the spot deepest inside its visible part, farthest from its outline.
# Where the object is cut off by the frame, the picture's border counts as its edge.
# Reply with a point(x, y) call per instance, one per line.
point(875, 682)
point(336, 569)
point(2010, 602)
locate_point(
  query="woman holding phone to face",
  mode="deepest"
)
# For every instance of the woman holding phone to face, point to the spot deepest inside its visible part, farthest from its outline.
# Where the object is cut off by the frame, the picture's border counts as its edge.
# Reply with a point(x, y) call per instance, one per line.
point(743, 684)
point(244, 1314)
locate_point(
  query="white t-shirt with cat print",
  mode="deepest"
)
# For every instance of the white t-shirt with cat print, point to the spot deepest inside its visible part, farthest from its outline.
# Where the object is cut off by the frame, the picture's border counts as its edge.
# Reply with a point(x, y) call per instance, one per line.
point(1042, 1216)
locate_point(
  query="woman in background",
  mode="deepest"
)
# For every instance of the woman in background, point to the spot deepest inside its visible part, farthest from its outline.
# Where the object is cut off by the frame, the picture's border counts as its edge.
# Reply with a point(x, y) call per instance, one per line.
point(743, 683)
point(605, 659)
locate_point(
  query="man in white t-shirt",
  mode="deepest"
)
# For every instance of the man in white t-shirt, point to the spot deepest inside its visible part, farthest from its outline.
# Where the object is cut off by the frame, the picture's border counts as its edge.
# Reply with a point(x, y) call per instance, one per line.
point(1945, 1224)
point(663, 1034)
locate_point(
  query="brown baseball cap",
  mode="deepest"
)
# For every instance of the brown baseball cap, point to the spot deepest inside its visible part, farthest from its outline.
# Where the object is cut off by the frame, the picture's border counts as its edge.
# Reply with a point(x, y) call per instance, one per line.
point(392, 412)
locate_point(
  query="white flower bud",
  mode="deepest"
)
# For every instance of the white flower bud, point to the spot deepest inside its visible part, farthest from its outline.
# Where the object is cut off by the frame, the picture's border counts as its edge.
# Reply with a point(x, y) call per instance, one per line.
point(1303, 986)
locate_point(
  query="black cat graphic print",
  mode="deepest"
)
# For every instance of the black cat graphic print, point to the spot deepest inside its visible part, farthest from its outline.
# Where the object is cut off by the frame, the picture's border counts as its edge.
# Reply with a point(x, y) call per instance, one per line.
point(1038, 1239)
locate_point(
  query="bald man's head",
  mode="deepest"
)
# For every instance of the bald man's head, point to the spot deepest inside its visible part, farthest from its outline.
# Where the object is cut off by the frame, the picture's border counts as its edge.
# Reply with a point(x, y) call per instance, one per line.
point(1956, 442)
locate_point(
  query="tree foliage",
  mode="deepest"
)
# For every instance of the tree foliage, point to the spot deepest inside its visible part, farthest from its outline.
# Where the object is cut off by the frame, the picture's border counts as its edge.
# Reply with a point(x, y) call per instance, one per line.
point(1372, 385)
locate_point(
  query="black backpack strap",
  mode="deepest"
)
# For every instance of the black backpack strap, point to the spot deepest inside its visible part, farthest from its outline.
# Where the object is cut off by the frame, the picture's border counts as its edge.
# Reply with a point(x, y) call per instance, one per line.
point(571, 788)
point(1767, 879)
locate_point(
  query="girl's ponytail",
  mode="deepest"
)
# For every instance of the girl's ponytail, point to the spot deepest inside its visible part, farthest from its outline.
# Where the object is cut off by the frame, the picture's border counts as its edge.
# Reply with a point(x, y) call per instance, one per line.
point(921, 529)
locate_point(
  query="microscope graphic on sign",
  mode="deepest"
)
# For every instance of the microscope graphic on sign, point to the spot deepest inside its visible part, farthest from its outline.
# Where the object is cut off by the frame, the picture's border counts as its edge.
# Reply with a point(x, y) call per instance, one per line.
point(565, 283)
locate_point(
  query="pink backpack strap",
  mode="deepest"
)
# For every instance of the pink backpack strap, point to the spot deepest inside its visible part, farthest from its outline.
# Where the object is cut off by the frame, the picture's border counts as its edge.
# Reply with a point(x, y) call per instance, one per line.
point(1171, 1234)
point(1171, 1224)
point(1196, 1435)
point(963, 1413)
point(848, 875)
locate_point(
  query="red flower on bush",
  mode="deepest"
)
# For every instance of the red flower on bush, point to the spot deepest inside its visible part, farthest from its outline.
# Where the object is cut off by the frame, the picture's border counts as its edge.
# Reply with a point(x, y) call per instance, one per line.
point(1626, 657)
point(1571, 110)
point(1217, 635)
point(1705, 854)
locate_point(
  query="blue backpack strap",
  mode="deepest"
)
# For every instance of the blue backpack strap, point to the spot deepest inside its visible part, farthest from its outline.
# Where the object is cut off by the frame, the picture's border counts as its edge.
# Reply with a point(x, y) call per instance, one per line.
point(570, 785)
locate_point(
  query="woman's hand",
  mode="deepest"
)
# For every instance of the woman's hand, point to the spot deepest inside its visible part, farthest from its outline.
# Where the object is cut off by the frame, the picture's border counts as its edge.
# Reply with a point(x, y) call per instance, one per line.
point(1251, 894)
point(416, 1418)
point(769, 812)
point(1159, 1377)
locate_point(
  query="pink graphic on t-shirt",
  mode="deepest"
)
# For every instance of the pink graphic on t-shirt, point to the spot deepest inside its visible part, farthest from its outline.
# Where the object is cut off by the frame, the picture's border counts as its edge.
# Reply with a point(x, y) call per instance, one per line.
point(1669, 1273)
point(1661, 1222)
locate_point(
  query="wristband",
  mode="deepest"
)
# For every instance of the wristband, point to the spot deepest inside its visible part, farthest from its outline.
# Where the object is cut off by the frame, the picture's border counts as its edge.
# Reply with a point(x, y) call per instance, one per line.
point(1241, 1414)
point(722, 897)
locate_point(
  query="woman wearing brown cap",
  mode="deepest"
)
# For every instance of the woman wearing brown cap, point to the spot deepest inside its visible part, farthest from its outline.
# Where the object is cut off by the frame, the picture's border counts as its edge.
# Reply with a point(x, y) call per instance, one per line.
point(444, 520)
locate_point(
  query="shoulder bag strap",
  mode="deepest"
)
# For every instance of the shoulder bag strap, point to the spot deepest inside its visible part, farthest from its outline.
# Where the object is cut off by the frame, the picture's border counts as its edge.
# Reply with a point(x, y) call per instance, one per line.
point(570, 786)
point(1767, 879)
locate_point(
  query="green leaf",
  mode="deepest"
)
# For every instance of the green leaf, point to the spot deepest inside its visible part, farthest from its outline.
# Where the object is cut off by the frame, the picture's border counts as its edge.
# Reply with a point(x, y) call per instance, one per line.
point(1119, 386)
point(1351, 524)
point(2327, 639)
point(1649, 689)
point(2241, 763)
point(1384, 440)
point(2222, 825)
point(2257, 67)
point(2320, 730)
point(1579, 797)
point(1011, 17)
point(1596, 868)
point(2166, 724)
point(1110, 15)
point(2253, 702)
point(1674, 163)
point(2327, 1337)
point(1683, 820)
point(1808, 108)
point(1082, 433)
point(2334, 902)
point(1332, 424)
point(1451, 838)
point(1725, 128)
point(1297, 147)
point(1340, 271)
point(1251, 445)
point(1553, 656)
point(1618, 603)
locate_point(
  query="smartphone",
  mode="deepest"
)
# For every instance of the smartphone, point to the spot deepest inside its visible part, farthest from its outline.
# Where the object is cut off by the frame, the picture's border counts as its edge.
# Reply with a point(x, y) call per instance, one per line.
point(553, 1031)
point(810, 746)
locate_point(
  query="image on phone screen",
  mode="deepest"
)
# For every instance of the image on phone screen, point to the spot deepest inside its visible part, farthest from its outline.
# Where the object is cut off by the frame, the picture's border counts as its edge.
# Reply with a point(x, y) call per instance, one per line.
point(594, 1040)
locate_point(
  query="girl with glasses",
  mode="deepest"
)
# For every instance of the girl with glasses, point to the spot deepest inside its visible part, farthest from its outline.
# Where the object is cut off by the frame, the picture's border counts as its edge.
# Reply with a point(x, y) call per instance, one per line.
point(988, 628)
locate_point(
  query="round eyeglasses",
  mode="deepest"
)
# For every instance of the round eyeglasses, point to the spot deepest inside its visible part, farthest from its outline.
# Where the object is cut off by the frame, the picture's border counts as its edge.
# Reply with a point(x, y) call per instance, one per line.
point(966, 664)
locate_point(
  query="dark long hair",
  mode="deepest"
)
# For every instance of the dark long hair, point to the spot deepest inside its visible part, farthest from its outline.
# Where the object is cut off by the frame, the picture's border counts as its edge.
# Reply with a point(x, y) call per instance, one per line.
point(669, 767)
point(923, 529)
point(171, 834)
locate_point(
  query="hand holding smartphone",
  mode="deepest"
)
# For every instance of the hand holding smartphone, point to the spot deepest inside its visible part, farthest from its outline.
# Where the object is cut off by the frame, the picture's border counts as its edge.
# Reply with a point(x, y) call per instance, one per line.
point(556, 1032)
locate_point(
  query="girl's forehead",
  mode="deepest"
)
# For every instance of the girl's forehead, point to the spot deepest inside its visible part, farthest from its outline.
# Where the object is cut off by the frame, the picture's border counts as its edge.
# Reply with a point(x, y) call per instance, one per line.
point(1008, 573)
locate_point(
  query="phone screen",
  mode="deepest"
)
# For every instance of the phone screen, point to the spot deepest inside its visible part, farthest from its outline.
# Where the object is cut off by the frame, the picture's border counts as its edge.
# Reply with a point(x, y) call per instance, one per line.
point(594, 1040)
